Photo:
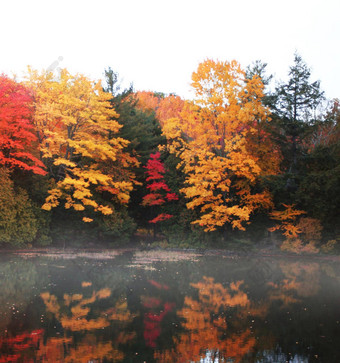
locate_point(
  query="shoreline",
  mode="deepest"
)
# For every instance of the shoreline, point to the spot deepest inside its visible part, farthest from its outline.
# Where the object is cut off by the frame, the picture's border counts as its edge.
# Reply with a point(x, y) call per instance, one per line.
point(232, 253)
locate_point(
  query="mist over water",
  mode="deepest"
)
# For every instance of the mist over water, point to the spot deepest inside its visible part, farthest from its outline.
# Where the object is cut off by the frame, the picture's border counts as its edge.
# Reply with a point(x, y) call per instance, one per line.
point(167, 306)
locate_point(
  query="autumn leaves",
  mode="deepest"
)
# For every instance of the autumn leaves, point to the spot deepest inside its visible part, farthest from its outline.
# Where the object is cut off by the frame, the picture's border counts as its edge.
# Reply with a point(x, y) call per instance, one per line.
point(17, 133)
point(66, 127)
point(214, 138)
point(78, 137)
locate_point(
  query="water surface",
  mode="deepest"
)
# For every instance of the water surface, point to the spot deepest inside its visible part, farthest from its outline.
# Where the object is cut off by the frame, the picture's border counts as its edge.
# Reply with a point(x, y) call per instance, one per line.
point(154, 306)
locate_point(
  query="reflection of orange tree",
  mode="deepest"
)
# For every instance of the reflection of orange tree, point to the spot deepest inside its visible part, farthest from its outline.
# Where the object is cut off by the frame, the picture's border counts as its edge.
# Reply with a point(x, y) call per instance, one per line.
point(78, 319)
point(301, 279)
point(73, 314)
point(85, 351)
point(206, 327)
point(19, 348)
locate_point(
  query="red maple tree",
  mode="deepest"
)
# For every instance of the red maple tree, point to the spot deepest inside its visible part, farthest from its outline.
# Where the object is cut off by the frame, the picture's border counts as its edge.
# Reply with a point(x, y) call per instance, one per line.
point(160, 193)
point(16, 128)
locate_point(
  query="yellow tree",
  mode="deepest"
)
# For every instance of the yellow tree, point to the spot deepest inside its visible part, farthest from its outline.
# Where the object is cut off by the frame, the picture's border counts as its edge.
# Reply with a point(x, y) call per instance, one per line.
point(78, 141)
point(214, 137)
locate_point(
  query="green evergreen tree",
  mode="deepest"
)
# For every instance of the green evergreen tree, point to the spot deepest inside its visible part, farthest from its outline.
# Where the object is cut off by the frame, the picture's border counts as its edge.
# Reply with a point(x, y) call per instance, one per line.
point(295, 104)
point(141, 129)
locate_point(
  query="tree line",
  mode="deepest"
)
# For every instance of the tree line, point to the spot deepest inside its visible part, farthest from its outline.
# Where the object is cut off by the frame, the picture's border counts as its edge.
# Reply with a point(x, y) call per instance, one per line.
point(90, 161)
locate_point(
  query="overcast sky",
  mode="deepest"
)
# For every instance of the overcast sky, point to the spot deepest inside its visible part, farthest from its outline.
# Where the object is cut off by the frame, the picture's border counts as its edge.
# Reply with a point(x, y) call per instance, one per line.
point(157, 44)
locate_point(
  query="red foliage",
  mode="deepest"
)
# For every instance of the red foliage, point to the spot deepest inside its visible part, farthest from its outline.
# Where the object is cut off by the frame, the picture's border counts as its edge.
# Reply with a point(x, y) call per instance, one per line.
point(151, 302)
point(152, 324)
point(158, 285)
point(155, 167)
point(171, 196)
point(153, 199)
point(16, 129)
point(161, 217)
point(155, 175)
point(19, 345)
point(158, 186)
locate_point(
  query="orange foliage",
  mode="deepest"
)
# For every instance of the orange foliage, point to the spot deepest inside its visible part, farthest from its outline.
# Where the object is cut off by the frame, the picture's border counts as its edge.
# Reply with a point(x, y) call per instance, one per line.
point(73, 313)
point(206, 328)
point(287, 217)
point(216, 296)
point(303, 278)
point(163, 107)
point(297, 230)
point(78, 319)
point(147, 101)
point(87, 350)
point(300, 280)
point(120, 312)
point(222, 147)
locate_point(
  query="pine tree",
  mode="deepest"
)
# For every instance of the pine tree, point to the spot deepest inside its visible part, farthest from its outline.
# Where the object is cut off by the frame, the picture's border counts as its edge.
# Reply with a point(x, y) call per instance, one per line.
point(294, 104)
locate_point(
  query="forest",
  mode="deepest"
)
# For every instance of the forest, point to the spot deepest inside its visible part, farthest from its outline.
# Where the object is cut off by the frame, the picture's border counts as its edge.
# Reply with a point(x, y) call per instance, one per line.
point(249, 160)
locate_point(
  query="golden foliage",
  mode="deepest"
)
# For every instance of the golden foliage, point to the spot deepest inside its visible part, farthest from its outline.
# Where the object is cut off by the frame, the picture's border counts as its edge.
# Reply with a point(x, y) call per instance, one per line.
point(78, 136)
point(214, 137)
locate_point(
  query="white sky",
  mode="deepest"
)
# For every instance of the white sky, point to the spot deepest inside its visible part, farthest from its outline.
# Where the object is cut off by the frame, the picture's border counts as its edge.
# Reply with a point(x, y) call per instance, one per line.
point(157, 44)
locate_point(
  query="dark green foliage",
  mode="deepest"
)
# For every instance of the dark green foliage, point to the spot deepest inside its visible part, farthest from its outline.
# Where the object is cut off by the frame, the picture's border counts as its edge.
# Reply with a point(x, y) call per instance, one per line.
point(319, 190)
point(118, 226)
point(142, 130)
point(309, 142)
point(258, 68)
point(18, 223)
point(68, 229)
point(297, 100)
point(294, 108)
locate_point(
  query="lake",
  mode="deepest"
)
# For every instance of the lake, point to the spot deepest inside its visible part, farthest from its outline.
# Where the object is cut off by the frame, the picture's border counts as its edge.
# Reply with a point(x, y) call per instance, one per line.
point(168, 306)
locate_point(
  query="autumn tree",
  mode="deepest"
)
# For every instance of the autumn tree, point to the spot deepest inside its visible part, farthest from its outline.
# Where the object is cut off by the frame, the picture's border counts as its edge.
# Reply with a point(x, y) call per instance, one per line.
point(17, 132)
point(213, 138)
point(164, 107)
point(160, 193)
point(78, 141)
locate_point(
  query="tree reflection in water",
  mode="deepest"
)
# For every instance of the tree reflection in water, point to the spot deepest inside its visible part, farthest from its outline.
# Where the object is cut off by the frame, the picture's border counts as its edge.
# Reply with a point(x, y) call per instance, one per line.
point(206, 329)
point(74, 315)
point(208, 310)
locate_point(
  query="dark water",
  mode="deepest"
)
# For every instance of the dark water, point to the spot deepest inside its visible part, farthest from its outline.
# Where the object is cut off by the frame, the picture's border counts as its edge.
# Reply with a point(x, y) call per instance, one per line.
point(156, 306)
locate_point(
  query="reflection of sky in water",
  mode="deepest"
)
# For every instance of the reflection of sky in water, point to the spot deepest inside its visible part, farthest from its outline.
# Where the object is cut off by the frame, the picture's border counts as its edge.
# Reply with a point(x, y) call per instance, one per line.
point(167, 307)
point(268, 357)
point(271, 357)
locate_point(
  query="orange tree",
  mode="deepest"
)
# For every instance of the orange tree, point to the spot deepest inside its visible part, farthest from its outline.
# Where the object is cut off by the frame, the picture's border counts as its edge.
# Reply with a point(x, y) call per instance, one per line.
point(218, 141)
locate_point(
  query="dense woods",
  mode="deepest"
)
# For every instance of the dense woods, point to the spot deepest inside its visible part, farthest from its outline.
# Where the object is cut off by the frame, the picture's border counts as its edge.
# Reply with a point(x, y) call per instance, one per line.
point(250, 158)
